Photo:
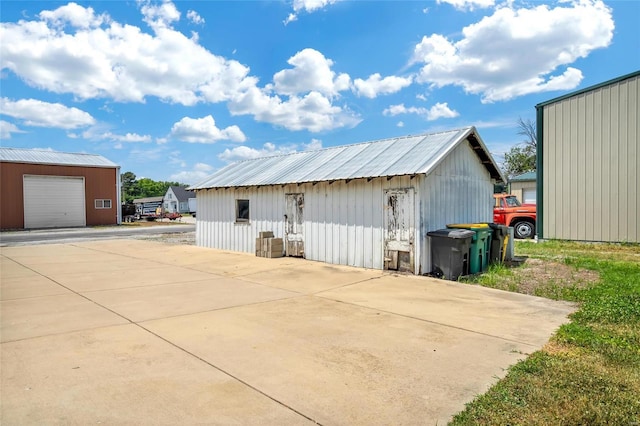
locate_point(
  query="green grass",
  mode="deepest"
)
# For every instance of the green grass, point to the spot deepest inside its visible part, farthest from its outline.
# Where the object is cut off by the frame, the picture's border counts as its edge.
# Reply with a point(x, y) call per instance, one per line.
point(589, 372)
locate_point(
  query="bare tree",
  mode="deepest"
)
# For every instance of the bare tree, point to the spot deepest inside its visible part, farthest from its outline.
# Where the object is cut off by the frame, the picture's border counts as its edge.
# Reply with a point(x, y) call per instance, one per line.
point(521, 158)
point(528, 130)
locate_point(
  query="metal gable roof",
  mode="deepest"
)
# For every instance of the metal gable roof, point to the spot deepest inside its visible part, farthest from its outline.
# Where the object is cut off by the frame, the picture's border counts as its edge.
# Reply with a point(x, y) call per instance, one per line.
point(37, 156)
point(524, 177)
point(406, 155)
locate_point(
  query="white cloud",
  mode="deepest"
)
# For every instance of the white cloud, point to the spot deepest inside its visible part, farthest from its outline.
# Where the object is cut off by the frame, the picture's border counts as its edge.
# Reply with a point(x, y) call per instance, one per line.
point(468, 4)
point(400, 124)
point(439, 110)
point(311, 72)
point(97, 134)
point(73, 50)
point(159, 15)
point(195, 17)
point(6, 129)
point(515, 52)
point(313, 112)
point(268, 149)
point(37, 113)
point(375, 85)
point(118, 61)
point(314, 145)
point(75, 15)
point(308, 6)
point(204, 130)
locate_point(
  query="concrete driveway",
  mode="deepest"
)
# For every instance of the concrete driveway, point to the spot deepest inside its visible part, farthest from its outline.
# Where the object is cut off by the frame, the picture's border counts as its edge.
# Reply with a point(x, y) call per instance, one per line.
point(139, 332)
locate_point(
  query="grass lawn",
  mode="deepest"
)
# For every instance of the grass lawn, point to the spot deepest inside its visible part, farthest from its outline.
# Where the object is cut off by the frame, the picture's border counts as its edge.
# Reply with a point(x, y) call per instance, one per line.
point(589, 372)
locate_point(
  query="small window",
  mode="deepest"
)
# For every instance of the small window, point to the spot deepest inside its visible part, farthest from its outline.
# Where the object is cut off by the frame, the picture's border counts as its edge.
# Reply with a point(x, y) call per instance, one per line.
point(242, 210)
point(103, 204)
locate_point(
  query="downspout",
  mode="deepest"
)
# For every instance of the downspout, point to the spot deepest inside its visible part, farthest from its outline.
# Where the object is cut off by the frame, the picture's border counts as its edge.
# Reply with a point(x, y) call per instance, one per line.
point(118, 197)
point(539, 171)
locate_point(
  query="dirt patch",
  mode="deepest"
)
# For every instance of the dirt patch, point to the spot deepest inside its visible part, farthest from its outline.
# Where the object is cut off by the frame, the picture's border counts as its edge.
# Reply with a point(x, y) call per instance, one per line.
point(545, 278)
point(178, 238)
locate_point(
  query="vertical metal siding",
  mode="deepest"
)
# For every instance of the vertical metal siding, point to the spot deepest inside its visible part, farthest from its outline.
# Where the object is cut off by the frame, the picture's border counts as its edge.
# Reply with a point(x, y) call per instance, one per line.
point(590, 162)
point(459, 190)
point(343, 221)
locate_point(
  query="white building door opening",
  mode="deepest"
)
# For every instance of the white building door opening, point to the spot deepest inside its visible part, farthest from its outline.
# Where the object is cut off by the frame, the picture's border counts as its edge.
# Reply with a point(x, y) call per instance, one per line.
point(399, 230)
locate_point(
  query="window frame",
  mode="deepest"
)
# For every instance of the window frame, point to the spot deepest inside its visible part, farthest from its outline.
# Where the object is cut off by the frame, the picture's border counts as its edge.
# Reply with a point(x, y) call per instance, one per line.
point(99, 203)
point(248, 210)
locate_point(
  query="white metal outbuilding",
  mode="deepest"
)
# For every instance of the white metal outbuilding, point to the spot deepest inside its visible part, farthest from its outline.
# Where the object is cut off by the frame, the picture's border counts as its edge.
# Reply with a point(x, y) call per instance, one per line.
point(368, 205)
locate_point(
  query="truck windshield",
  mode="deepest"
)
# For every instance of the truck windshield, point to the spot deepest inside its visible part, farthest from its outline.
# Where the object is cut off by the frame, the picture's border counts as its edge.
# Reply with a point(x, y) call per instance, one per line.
point(512, 202)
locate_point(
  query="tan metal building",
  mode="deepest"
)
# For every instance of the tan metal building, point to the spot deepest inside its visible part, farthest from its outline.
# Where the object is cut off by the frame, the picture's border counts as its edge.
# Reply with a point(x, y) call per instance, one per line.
point(47, 189)
point(524, 187)
point(588, 163)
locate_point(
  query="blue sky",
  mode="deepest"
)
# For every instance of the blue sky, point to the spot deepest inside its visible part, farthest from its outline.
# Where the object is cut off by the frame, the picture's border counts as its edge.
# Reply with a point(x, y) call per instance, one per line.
point(175, 90)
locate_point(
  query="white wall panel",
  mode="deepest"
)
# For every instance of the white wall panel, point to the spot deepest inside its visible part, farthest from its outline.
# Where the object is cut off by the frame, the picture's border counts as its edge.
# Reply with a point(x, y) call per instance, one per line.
point(343, 221)
point(459, 190)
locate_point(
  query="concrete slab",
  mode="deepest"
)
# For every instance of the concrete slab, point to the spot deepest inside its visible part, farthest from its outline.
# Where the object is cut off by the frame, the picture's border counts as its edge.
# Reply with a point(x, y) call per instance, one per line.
point(343, 364)
point(12, 269)
point(124, 376)
point(311, 277)
point(106, 280)
point(168, 300)
point(507, 315)
point(361, 348)
point(33, 285)
point(42, 316)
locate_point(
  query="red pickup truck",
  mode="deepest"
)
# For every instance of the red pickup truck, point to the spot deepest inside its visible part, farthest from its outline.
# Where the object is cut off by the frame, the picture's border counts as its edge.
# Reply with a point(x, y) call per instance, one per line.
point(508, 211)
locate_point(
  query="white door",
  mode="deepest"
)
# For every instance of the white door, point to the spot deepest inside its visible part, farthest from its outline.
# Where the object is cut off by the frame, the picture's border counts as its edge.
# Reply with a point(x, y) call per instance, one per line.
point(294, 237)
point(53, 201)
point(399, 230)
point(529, 196)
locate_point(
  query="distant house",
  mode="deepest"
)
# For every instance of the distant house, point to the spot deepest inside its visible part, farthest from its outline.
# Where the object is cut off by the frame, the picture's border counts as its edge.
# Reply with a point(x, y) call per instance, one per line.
point(176, 200)
point(49, 189)
point(524, 187)
point(368, 205)
point(589, 163)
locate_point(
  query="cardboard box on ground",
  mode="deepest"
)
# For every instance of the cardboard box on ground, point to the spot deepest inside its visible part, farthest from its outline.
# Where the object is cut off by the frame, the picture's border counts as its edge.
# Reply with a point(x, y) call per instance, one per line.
point(268, 246)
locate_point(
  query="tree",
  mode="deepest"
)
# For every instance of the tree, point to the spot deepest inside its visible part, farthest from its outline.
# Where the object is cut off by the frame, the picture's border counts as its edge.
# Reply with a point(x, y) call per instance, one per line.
point(133, 188)
point(128, 181)
point(521, 158)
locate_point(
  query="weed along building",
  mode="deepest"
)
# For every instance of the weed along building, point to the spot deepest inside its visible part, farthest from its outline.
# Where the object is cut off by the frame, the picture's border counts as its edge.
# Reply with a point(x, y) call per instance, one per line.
point(368, 205)
point(47, 189)
point(589, 163)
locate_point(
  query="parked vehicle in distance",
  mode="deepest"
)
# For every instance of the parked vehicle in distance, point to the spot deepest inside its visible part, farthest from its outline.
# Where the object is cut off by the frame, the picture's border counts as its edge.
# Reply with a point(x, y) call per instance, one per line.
point(508, 211)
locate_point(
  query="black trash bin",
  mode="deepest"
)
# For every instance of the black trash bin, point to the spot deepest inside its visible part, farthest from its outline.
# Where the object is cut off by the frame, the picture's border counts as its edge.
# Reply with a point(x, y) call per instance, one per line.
point(498, 242)
point(450, 252)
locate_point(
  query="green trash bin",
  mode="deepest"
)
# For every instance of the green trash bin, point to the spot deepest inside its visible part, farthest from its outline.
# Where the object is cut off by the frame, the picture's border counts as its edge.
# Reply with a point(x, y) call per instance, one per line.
point(480, 245)
point(499, 240)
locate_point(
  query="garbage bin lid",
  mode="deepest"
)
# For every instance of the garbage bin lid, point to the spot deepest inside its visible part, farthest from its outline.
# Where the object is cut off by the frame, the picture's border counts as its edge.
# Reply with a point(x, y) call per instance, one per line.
point(452, 233)
point(468, 225)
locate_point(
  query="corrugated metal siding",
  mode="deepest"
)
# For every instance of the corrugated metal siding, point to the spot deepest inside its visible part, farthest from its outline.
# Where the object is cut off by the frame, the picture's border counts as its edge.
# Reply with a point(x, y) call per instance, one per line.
point(100, 183)
point(590, 165)
point(343, 222)
point(459, 190)
point(36, 156)
point(391, 157)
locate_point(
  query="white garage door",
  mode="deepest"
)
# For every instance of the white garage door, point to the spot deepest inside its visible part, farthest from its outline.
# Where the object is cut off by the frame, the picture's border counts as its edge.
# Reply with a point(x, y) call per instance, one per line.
point(53, 201)
point(529, 196)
